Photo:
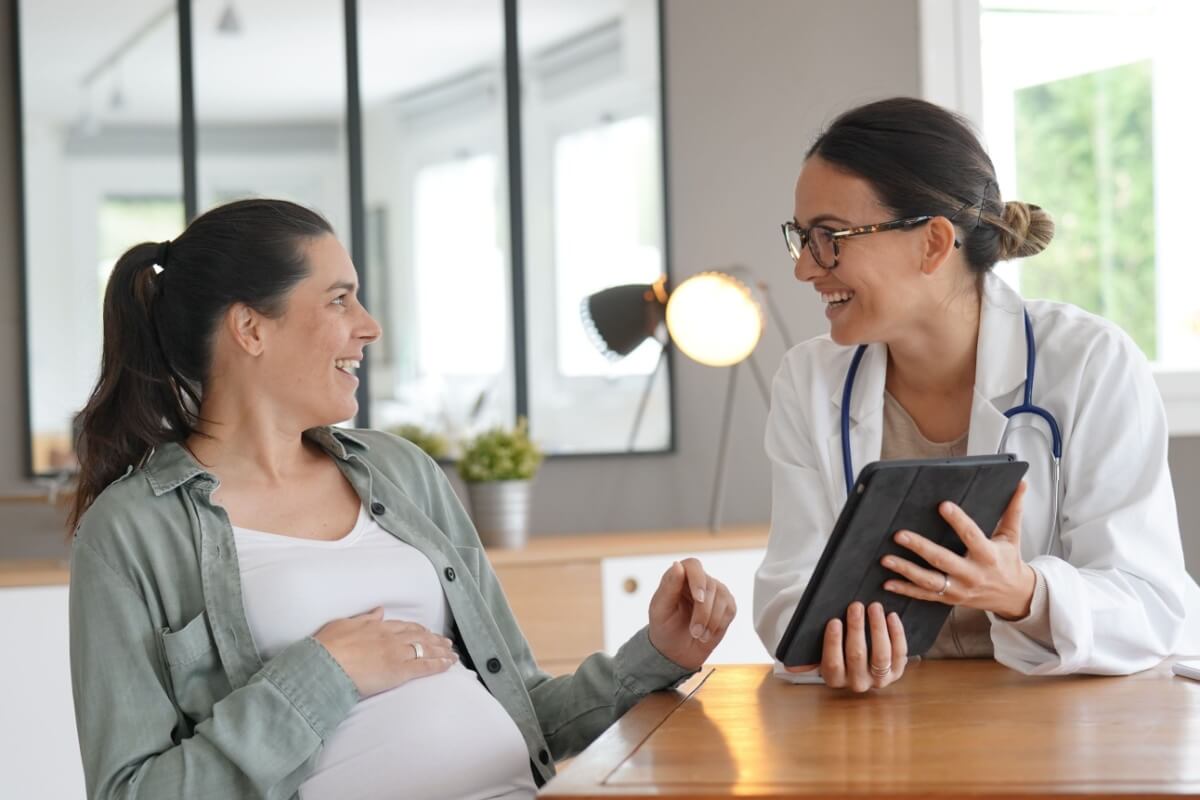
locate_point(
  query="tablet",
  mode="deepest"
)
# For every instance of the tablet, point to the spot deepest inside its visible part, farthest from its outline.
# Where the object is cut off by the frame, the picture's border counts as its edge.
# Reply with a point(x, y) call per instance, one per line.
point(891, 496)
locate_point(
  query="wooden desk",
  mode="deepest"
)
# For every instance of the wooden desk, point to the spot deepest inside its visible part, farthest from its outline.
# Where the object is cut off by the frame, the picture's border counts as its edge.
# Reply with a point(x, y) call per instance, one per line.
point(948, 728)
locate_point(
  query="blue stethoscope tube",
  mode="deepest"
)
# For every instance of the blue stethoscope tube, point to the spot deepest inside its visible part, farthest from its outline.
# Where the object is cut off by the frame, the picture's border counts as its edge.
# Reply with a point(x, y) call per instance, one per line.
point(1026, 407)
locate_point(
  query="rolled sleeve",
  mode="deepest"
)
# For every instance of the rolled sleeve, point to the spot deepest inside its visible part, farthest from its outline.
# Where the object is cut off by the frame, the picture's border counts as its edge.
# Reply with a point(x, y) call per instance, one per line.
point(1036, 624)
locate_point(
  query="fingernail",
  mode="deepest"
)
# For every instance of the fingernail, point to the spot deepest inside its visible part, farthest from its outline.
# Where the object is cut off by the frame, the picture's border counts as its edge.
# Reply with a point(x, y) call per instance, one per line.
point(704, 637)
point(949, 507)
point(697, 630)
point(902, 537)
point(889, 562)
point(699, 595)
point(889, 586)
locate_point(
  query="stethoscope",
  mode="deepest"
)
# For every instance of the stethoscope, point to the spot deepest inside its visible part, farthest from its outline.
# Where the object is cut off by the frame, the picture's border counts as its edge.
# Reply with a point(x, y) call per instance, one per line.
point(1026, 407)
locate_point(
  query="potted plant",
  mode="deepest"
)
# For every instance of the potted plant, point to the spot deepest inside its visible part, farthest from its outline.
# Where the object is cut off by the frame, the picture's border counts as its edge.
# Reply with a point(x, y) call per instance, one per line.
point(498, 467)
point(434, 444)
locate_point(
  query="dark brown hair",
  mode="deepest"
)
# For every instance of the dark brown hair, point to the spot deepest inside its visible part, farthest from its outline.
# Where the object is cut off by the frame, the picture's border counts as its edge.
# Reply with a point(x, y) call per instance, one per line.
point(922, 159)
point(158, 328)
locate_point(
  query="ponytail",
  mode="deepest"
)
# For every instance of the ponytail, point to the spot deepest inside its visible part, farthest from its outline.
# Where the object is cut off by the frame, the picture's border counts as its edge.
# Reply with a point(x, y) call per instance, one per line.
point(138, 402)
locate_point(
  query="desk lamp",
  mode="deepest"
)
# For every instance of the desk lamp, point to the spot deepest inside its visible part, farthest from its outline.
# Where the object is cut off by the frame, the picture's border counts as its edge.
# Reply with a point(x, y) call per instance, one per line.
point(715, 318)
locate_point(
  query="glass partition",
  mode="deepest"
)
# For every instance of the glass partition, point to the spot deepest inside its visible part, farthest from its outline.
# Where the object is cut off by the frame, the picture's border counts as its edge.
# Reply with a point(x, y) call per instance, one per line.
point(100, 114)
point(436, 184)
point(271, 104)
point(593, 198)
point(105, 154)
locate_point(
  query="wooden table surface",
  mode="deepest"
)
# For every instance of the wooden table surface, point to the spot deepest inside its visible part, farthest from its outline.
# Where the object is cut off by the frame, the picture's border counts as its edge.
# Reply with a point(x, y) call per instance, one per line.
point(949, 728)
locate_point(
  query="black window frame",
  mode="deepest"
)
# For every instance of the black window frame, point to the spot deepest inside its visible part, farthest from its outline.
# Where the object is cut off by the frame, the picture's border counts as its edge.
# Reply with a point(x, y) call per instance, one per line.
point(357, 201)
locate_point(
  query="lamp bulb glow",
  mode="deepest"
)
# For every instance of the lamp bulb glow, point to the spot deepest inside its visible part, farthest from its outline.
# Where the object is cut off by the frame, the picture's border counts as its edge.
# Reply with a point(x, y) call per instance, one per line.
point(715, 319)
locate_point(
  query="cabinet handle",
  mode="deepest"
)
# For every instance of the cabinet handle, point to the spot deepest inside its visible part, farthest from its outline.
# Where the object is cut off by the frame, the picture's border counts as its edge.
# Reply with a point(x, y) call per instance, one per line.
point(630, 585)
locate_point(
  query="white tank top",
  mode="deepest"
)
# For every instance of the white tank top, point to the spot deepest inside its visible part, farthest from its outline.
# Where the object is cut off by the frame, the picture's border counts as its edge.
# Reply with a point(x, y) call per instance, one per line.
point(441, 736)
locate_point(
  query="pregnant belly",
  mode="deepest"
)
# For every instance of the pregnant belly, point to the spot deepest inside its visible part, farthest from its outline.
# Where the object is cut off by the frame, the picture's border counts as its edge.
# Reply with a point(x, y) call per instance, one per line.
point(442, 736)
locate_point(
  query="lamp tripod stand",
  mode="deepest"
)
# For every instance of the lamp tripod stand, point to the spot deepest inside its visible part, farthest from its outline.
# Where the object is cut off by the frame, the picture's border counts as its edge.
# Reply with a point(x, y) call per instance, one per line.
point(716, 501)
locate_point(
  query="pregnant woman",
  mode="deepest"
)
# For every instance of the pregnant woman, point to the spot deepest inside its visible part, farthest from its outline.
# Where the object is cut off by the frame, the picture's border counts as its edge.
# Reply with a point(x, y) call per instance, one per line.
point(266, 606)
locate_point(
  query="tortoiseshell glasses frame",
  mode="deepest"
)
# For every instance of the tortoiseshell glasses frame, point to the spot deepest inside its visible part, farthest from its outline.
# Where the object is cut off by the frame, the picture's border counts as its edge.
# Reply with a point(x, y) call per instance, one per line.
point(824, 242)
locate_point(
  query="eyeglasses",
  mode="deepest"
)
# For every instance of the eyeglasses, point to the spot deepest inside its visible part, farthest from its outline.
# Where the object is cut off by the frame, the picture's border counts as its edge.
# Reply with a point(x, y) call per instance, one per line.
point(824, 243)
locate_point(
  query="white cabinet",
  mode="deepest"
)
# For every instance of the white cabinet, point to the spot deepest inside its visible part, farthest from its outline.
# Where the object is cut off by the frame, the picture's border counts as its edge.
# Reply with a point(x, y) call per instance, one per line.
point(629, 582)
point(39, 750)
point(574, 595)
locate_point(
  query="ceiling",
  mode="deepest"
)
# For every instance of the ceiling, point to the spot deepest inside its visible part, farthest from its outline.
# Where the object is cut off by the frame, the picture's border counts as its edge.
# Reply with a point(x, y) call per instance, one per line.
point(284, 63)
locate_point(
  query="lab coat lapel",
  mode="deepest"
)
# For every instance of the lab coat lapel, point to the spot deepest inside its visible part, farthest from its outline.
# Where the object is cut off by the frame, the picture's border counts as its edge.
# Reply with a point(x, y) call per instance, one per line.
point(999, 365)
point(866, 418)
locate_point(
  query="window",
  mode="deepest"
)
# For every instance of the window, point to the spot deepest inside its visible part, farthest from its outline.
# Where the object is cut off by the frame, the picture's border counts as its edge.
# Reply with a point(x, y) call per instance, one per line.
point(601, 238)
point(460, 274)
point(131, 112)
point(1088, 110)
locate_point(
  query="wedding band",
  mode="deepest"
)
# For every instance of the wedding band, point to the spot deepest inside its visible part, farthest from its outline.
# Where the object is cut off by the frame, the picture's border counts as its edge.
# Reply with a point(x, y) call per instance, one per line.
point(881, 672)
point(945, 585)
point(417, 649)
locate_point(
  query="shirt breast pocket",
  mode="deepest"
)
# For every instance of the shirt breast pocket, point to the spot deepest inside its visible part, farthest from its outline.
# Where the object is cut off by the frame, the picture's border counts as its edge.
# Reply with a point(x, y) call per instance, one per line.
point(470, 557)
point(198, 680)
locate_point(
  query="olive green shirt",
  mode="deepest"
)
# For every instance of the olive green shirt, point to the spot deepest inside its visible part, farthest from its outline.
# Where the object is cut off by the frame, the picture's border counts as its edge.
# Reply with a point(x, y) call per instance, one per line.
point(173, 700)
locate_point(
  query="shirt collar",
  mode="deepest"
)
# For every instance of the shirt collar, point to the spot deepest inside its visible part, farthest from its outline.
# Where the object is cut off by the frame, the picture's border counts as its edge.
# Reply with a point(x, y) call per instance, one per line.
point(999, 362)
point(171, 465)
point(1001, 356)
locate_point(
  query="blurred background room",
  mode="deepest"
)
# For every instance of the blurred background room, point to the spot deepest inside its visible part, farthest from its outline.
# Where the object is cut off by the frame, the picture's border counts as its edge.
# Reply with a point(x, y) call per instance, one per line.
point(493, 164)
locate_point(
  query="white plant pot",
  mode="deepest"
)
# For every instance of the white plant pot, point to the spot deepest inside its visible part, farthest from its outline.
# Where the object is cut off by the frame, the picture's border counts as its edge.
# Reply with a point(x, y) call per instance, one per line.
point(500, 510)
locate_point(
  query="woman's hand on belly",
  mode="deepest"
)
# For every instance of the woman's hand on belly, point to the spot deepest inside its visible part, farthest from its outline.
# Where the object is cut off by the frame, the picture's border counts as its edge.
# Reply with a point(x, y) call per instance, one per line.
point(381, 654)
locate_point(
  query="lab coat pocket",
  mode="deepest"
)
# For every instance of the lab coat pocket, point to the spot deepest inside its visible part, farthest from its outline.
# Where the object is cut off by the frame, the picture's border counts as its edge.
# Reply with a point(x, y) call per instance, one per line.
point(197, 678)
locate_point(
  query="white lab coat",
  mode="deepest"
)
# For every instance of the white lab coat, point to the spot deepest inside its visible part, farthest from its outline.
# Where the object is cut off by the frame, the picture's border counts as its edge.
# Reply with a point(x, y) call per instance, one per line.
point(1120, 599)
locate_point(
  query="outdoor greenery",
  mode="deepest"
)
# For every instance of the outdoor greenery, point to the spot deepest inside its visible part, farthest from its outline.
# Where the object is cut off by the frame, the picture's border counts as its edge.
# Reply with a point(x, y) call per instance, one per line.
point(500, 454)
point(1085, 154)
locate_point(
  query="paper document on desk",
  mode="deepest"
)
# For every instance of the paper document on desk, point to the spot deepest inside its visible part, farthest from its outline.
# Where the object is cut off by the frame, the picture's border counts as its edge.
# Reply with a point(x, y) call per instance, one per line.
point(812, 676)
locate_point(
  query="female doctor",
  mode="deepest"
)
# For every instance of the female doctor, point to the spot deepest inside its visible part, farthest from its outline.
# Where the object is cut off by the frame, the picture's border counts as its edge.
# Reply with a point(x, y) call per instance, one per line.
point(898, 223)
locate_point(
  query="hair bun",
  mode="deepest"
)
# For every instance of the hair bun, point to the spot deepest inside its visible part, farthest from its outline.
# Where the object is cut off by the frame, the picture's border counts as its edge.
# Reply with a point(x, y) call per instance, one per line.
point(1025, 230)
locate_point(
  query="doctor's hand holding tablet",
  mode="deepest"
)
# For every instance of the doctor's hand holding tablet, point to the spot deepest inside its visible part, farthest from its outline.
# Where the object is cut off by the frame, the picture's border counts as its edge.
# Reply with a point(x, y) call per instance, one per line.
point(1015, 502)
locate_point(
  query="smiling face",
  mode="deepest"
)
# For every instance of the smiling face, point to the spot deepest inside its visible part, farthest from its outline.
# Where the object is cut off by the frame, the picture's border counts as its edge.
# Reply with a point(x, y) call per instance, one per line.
point(882, 283)
point(310, 353)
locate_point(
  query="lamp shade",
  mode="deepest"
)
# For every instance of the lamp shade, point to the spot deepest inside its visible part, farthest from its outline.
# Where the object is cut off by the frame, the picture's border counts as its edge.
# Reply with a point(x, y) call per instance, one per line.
point(715, 318)
point(620, 318)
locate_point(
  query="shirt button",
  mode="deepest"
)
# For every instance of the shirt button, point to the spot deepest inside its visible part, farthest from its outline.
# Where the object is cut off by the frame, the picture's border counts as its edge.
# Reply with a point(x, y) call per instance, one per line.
point(377, 508)
point(450, 576)
point(543, 757)
point(493, 665)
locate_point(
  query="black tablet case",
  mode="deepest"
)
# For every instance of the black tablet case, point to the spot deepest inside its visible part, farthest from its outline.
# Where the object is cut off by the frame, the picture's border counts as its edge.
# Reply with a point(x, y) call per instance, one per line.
point(891, 496)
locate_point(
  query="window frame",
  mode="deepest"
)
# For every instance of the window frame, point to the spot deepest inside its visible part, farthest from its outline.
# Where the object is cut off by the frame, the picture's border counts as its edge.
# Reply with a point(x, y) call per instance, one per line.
point(355, 233)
